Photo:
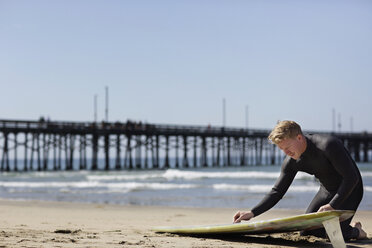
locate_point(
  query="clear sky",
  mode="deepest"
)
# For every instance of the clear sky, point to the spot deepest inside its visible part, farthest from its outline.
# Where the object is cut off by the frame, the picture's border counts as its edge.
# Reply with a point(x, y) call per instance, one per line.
point(173, 61)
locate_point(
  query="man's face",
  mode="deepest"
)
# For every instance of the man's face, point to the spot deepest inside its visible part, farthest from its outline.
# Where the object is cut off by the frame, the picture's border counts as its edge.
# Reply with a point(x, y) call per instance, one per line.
point(292, 147)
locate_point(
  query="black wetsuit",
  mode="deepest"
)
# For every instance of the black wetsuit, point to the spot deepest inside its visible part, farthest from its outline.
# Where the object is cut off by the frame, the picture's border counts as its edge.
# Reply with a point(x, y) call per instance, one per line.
point(341, 184)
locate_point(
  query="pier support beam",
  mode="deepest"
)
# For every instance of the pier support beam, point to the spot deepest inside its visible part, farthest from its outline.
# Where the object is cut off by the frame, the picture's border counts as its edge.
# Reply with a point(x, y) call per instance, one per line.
point(273, 150)
point(185, 162)
point(177, 147)
point(228, 152)
point(243, 153)
point(166, 162)
point(118, 151)
point(365, 152)
point(5, 159)
point(157, 143)
point(357, 151)
point(128, 163)
point(95, 152)
point(218, 152)
point(107, 152)
point(203, 154)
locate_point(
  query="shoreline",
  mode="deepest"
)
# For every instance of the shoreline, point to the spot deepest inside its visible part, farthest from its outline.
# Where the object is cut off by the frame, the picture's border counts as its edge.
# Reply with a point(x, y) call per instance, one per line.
point(66, 224)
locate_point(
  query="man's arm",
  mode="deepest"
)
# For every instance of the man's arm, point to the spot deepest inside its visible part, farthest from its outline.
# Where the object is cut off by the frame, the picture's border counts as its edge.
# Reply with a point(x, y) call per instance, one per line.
point(344, 165)
point(281, 186)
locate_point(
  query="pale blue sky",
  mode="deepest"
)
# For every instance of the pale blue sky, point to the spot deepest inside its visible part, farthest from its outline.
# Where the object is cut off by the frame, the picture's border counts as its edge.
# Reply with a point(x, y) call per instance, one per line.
point(174, 61)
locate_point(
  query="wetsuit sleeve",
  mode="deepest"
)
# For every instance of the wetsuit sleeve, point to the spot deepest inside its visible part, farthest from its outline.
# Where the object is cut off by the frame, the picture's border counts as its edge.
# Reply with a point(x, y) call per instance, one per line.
point(344, 165)
point(277, 192)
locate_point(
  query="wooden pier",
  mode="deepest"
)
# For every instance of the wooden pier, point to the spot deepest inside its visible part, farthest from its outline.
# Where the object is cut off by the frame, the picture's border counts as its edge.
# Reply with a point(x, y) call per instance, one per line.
point(45, 145)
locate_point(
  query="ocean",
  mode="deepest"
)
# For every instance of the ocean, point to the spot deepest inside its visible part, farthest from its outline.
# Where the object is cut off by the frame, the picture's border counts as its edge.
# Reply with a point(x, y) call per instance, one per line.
point(236, 187)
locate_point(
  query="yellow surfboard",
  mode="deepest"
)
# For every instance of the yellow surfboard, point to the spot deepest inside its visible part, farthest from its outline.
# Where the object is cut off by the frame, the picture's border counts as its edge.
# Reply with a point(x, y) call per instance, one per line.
point(329, 219)
point(287, 224)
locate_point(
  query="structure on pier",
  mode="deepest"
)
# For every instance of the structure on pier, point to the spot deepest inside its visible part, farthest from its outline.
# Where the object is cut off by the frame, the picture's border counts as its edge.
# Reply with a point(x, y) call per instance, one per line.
point(45, 145)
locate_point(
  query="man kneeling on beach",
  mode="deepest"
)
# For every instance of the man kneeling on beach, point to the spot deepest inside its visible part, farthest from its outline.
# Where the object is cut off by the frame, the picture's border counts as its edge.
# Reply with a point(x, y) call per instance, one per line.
point(326, 158)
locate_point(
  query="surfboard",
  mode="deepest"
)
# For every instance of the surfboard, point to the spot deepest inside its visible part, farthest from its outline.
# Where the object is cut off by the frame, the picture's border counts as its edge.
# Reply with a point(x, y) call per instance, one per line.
point(330, 220)
point(287, 224)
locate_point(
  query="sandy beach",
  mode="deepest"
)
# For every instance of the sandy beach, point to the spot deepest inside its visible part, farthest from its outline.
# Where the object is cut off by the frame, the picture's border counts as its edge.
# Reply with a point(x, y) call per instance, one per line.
point(61, 224)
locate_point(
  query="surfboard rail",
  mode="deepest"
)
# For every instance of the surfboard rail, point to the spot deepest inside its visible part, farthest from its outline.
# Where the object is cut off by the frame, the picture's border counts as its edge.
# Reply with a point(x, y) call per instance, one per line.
point(277, 225)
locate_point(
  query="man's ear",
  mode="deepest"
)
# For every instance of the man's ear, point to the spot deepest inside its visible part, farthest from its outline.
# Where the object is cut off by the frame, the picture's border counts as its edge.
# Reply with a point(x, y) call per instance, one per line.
point(299, 137)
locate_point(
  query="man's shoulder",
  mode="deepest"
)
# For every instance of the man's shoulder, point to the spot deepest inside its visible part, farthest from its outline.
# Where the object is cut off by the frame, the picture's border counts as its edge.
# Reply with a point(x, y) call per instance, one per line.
point(323, 141)
point(288, 164)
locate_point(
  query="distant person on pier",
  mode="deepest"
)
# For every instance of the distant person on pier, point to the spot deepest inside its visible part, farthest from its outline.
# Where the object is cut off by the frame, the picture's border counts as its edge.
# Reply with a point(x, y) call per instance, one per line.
point(325, 157)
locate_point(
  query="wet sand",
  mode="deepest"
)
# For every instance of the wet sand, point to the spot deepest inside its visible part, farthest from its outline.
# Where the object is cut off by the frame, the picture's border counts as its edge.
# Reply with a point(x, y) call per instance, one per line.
point(60, 224)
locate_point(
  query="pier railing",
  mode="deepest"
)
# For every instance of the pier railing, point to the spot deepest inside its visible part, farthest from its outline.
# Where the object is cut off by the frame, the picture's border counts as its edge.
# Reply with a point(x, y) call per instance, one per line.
point(122, 127)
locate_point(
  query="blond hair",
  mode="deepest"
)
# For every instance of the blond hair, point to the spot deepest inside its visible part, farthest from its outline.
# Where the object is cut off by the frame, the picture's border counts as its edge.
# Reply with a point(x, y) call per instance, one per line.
point(284, 130)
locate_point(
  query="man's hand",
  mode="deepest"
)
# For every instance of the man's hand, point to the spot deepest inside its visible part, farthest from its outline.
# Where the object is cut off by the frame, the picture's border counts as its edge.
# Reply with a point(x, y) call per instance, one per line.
point(326, 207)
point(240, 215)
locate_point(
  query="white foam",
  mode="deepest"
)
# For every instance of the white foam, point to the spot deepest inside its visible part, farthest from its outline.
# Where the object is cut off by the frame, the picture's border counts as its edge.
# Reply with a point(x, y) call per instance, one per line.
point(122, 177)
point(50, 184)
point(368, 188)
point(248, 188)
point(263, 188)
point(366, 174)
point(154, 186)
point(92, 184)
point(46, 174)
point(189, 175)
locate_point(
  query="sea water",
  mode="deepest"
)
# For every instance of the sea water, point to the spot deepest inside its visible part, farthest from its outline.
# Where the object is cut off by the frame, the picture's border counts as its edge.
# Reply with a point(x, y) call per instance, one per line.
point(236, 187)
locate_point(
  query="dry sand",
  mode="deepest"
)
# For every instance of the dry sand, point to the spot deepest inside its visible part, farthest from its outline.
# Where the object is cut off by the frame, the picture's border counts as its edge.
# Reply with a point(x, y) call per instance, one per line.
point(52, 224)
